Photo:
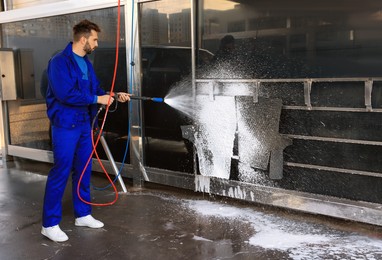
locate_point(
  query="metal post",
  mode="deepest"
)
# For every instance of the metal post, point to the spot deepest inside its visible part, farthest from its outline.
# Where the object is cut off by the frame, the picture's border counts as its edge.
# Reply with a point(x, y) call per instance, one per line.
point(111, 159)
point(307, 91)
point(194, 45)
point(4, 5)
point(368, 93)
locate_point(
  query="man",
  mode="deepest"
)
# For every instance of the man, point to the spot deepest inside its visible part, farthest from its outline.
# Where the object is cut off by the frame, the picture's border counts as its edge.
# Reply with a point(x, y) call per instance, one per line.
point(226, 51)
point(72, 97)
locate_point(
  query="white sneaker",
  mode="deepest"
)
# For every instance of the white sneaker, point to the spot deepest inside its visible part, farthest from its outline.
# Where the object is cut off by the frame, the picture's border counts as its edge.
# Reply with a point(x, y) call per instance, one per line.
point(54, 233)
point(88, 221)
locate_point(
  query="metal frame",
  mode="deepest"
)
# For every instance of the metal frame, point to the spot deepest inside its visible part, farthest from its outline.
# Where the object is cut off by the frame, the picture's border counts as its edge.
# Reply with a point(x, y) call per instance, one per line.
point(300, 201)
point(307, 84)
point(58, 8)
point(39, 11)
point(359, 211)
point(136, 145)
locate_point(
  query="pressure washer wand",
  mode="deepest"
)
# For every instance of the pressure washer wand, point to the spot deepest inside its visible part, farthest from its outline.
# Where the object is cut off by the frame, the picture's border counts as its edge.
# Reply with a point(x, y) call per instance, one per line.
point(155, 99)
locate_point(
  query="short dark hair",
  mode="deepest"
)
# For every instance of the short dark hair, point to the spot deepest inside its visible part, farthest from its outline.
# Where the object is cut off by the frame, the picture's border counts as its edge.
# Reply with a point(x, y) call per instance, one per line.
point(228, 39)
point(84, 28)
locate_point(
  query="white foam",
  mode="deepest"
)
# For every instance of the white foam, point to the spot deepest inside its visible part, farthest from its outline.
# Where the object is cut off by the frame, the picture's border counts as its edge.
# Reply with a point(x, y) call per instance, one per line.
point(216, 121)
point(278, 239)
point(202, 183)
point(301, 240)
point(215, 136)
point(237, 192)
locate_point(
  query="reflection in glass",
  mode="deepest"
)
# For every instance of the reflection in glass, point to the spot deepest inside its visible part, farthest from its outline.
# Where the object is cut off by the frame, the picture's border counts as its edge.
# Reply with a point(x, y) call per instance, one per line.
point(275, 39)
point(166, 61)
point(39, 39)
point(330, 122)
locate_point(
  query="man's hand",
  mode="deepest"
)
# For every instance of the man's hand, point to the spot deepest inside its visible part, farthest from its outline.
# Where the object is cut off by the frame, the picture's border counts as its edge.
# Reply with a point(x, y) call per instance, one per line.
point(123, 97)
point(104, 100)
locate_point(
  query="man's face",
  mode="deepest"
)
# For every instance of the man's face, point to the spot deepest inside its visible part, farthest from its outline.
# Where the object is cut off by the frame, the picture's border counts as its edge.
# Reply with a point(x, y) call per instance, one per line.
point(91, 42)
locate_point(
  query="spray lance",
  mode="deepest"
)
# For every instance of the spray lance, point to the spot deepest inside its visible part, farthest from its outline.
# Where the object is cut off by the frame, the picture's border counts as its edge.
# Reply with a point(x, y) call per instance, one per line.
point(155, 99)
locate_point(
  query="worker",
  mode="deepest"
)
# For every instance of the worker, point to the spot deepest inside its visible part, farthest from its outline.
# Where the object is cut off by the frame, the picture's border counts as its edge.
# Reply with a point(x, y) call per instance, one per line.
point(72, 97)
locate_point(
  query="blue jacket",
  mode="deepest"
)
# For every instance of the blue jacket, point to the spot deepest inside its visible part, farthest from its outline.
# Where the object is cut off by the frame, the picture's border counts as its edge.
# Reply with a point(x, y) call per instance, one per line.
point(69, 98)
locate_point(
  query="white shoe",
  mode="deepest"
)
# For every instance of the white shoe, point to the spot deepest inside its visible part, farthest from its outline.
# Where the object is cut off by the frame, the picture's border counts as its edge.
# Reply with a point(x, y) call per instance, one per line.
point(88, 221)
point(54, 233)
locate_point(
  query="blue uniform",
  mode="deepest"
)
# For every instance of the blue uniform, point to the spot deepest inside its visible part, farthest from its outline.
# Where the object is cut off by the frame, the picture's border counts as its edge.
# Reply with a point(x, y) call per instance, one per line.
point(71, 105)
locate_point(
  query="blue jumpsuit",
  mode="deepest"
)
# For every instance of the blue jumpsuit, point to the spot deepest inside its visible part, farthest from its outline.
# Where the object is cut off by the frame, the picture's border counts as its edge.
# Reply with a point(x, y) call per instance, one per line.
point(71, 106)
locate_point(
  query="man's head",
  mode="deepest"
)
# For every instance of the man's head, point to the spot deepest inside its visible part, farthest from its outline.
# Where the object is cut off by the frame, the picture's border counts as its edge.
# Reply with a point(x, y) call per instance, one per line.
point(227, 44)
point(85, 35)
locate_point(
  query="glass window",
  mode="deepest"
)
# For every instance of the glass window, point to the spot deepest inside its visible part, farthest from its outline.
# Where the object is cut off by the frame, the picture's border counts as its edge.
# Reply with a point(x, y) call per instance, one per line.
point(34, 42)
point(166, 62)
point(275, 39)
point(328, 121)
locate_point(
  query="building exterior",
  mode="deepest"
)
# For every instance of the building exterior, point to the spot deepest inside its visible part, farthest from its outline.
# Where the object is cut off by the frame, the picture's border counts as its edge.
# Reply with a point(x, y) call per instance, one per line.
point(283, 102)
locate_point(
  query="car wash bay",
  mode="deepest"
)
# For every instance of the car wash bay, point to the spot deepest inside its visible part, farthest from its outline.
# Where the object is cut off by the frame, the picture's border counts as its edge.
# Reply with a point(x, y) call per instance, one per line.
point(159, 222)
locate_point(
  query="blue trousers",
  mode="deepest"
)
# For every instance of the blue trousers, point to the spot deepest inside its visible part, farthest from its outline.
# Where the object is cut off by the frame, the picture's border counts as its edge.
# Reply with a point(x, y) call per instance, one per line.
point(71, 149)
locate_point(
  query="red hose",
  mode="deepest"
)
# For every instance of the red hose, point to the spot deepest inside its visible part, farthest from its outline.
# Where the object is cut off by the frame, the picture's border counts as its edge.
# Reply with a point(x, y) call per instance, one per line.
point(102, 126)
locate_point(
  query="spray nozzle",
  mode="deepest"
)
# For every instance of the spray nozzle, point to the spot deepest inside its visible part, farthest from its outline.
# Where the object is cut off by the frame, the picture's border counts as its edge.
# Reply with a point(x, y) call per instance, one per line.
point(157, 99)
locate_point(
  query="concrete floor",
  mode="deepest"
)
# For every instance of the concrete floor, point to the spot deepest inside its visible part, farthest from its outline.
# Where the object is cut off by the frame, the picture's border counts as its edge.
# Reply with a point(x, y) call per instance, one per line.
point(163, 223)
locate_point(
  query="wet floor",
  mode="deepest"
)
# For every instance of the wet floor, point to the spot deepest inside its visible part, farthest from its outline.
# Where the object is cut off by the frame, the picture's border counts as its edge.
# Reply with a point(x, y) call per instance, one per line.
point(163, 223)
